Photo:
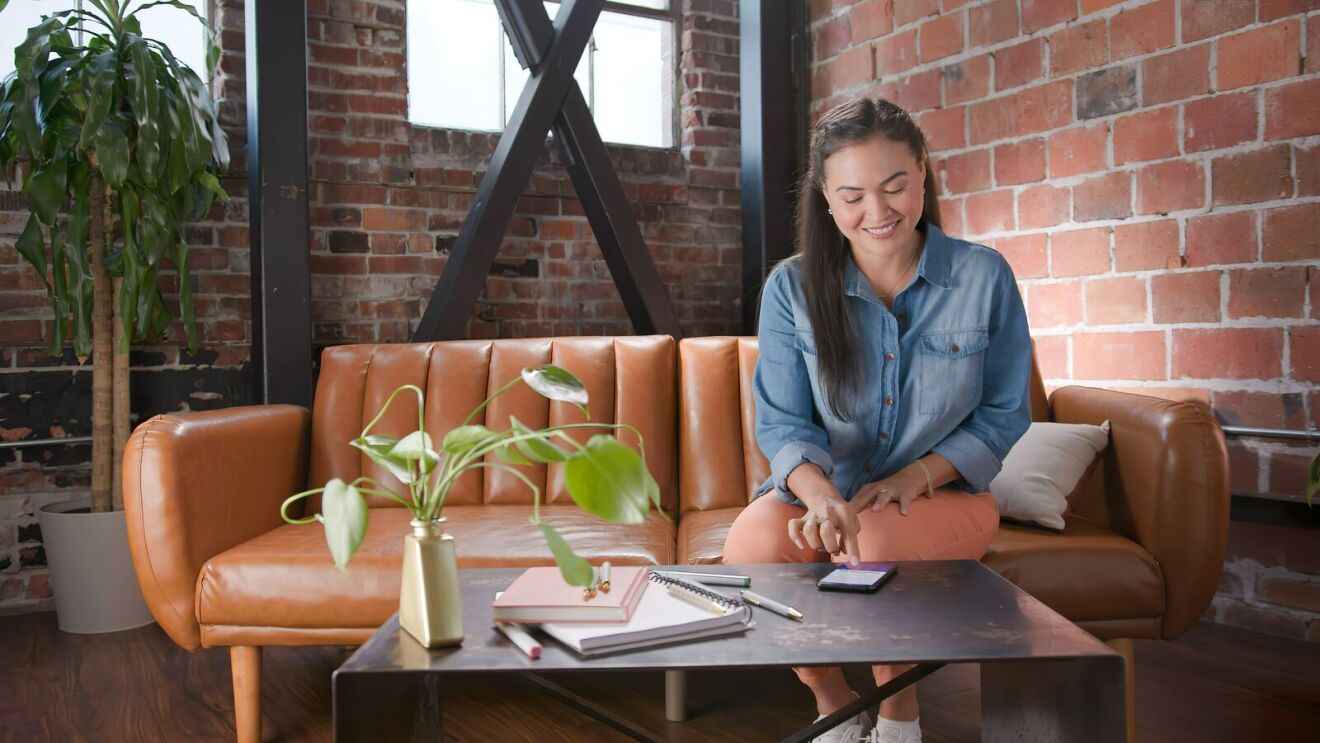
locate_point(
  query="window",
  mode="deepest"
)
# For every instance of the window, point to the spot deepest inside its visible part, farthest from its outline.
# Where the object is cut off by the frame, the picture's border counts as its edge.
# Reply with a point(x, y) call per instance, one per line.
point(173, 27)
point(462, 73)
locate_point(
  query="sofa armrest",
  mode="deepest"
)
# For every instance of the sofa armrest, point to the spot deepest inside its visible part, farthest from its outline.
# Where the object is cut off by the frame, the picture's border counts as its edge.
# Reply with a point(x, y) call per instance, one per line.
point(197, 484)
point(1166, 487)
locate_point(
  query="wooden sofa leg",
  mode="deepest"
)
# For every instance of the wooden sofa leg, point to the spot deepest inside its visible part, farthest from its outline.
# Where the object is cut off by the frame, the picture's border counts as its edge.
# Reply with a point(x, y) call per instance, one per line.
point(1124, 646)
point(676, 696)
point(245, 663)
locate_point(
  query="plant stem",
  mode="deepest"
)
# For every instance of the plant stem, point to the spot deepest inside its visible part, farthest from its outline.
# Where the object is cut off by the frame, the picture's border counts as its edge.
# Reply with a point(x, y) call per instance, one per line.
point(102, 351)
point(120, 394)
point(486, 402)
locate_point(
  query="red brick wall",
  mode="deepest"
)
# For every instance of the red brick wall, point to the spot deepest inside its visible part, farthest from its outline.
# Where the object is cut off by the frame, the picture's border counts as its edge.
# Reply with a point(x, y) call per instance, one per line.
point(1151, 170)
point(386, 202)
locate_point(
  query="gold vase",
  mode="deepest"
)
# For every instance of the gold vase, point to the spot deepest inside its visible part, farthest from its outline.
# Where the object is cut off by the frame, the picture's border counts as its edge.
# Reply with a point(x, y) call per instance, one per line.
point(429, 606)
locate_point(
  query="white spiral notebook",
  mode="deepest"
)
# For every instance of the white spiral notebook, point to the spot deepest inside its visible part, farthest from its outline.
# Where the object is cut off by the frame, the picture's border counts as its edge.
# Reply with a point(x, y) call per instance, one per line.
point(662, 617)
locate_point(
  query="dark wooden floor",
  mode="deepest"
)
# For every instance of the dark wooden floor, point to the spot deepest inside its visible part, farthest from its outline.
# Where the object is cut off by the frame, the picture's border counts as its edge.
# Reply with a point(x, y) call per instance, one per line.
point(1214, 684)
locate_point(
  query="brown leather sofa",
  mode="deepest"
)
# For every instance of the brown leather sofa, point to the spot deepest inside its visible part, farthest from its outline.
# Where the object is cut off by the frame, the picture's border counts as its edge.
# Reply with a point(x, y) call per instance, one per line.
point(1140, 557)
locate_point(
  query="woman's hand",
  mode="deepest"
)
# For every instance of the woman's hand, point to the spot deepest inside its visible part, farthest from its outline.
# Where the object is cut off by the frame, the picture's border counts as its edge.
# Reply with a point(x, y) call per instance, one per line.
point(829, 525)
point(876, 495)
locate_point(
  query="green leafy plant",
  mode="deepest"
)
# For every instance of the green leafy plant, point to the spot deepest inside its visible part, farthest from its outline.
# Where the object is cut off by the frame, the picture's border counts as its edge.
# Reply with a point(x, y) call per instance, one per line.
point(604, 477)
point(1313, 478)
point(120, 143)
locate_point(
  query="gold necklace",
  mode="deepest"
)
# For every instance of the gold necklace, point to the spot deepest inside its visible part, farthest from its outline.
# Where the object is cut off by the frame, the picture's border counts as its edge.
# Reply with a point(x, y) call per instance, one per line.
point(907, 268)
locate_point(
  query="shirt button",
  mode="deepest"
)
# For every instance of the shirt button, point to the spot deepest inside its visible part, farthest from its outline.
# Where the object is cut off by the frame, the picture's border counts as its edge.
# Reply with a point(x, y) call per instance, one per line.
point(884, 436)
point(889, 401)
point(889, 357)
point(955, 348)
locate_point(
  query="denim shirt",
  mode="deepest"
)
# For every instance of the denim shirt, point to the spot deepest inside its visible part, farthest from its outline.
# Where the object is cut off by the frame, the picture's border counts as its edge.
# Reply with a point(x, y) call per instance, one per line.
point(947, 373)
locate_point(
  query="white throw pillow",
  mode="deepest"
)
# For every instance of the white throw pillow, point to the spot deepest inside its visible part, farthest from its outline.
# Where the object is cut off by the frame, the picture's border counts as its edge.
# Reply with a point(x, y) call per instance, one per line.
point(1044, 467)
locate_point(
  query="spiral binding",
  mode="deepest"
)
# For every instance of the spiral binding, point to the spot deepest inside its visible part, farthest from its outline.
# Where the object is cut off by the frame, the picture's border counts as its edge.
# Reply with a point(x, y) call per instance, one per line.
point(731, 602)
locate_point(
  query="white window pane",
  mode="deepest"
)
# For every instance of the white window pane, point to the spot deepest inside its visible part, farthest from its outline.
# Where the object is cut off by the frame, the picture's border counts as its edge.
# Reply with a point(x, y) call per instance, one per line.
point(633, 66)
point(179, 31)
point(15, 21)
point(655, 4)
point(453, 64)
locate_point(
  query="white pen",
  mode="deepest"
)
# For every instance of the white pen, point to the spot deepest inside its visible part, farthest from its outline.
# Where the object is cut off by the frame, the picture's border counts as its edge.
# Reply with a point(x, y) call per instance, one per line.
point(710, 579)
point(605, 576)
point(518, 636)
point(756, 599)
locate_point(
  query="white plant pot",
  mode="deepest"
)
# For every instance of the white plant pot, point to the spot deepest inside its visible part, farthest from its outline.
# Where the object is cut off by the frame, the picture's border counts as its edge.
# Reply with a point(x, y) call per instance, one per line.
point(91, 571)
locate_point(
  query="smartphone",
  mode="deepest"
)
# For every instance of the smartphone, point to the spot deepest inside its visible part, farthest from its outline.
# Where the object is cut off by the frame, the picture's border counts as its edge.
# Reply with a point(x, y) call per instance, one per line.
point(866, 577)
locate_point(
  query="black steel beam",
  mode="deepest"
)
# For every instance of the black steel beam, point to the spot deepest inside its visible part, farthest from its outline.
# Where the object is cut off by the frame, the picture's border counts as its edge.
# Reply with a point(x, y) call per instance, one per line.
point(277, 201)
point(551, 51)
point(772, 97)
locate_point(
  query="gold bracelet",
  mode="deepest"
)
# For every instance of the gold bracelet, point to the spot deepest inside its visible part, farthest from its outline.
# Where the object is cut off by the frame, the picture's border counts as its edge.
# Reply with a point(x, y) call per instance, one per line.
point(930, 486)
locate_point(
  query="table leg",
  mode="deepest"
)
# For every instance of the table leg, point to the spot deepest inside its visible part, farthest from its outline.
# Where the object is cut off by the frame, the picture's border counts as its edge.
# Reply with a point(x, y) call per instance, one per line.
point(396, 707)
point(1075, 699)
point(676, 696)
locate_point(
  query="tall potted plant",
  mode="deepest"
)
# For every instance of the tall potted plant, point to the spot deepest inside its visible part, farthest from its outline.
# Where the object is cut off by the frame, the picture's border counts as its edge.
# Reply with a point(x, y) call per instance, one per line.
point(117, 142)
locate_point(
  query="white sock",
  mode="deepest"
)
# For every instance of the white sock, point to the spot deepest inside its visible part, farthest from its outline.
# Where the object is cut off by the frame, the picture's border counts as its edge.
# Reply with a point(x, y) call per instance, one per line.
point(897, 731)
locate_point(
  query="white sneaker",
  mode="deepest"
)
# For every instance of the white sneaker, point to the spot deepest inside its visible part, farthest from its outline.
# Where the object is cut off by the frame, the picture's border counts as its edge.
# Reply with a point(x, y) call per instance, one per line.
point(850, 731)
point(894, 731)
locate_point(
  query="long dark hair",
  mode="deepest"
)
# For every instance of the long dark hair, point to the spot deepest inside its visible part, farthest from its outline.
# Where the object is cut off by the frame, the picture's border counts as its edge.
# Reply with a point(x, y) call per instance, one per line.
point(822, 250)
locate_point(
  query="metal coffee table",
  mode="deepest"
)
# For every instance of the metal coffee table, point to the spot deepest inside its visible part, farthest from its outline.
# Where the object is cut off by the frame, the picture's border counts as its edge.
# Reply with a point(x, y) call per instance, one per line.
point(1042, 677)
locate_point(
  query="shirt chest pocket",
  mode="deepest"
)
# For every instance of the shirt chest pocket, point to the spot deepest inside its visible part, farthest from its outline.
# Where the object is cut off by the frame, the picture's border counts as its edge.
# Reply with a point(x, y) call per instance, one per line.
point(951, 365)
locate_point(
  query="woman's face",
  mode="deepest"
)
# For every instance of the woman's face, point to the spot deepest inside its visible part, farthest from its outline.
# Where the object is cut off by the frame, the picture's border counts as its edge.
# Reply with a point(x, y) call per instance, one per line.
point(875, 189)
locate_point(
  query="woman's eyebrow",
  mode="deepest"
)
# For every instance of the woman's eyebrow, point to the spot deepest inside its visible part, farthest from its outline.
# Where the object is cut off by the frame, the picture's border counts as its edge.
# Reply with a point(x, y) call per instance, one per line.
point(858, 188)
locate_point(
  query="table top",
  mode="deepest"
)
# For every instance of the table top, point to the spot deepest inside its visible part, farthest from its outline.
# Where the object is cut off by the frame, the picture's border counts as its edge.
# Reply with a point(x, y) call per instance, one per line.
point(955, 611)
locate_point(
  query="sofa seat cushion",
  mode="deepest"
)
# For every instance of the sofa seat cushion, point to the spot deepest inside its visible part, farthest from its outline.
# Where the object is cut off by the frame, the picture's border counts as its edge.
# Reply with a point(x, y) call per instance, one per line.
point(284, 578)
point(701, 535)
point(1085, 572)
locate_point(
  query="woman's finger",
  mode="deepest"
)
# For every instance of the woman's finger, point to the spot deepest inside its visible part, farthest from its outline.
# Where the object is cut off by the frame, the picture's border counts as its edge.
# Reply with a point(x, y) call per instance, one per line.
point(882, 499)
point(811, 532)
point(904, 501)
point(864, 498)
point(795, 532)
point(830, 536)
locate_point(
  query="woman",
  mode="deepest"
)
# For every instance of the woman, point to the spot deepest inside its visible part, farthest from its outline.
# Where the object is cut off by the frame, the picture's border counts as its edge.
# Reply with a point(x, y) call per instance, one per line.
point(892, 379)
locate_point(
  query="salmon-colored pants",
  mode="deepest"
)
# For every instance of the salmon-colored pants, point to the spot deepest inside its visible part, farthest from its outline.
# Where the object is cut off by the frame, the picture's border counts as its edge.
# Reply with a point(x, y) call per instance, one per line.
point(952, 525)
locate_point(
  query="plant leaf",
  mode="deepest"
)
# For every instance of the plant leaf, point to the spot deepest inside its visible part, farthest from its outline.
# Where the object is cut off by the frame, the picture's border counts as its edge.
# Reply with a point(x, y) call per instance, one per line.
point(112, 150)
point(32, 246)
point(609, 480)
point(344, 514)
point(47, 188)
point(576, 571)
point(416, 446)
point(557, 384)
point(464, 438)
point(538, 449)
point(1313, 481)
point(99, 84)
point(144, 100)
point(379, 453)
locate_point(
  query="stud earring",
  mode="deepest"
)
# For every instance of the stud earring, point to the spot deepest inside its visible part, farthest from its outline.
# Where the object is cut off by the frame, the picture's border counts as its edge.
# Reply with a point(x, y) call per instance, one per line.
point(831, 211)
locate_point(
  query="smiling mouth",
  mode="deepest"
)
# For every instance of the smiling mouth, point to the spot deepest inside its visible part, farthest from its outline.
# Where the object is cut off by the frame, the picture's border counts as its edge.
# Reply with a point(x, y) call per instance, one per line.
point(882, 231)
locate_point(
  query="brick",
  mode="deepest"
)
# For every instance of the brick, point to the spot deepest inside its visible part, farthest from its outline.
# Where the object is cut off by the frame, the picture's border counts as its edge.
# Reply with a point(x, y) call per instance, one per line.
point(1128, 355)
point(852, 68)
point(945, 128)
point(1080, 252)
point(941, 37)
point(1078, 150)
point(1019, 64)
point(1219, 121)
point(967, 80)
point(1051, 352)
point(1313, 61)
point(1249, 177)
point(1304, 341)
point(1259, 619)
point(1043, 107)
point(896, 52)
point(1289, 592)
point(1020, 162)
point(1259, 55)
point(1289, 233)
point(914, 93)
point(1043, 206)
point(833, 37)
point(1169, 187)
point(1079, 48)
point(1027, 254)
point(1146, 246)
point(1038, 14)
point(1221, 238)
point(1115, 301)
point(1289, 547)
point(1104, 197)
point(1308, 170)
point(1176, 75)
point(1091, 6)
point(393, 220)
point(1106, 92)
point(1054, 305)
point(871, 20)
point(992, 22)
point(1141, 30)
point(1259, 409)
point(1185, 296)
point(966, 172)
point(1202, 19)
point(1146, 135)
point(1293, 110)
point(991, 211)
point(1288, 473)
point(951, 214)
point(1271, 10)
point(1267, 292)
point(1228, 353)
point(907, 11)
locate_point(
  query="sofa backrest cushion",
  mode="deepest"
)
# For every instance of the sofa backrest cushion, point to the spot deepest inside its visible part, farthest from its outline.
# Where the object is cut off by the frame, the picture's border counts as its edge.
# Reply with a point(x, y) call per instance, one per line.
point(628, 379)
point(719, 462)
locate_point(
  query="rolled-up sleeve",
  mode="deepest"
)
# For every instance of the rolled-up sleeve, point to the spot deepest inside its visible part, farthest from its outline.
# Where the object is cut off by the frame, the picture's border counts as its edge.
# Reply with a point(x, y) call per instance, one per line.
point(781, 389)
point(977, 447)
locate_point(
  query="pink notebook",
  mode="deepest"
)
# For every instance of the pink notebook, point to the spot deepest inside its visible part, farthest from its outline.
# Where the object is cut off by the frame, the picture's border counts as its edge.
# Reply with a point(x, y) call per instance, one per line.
point(541, 595)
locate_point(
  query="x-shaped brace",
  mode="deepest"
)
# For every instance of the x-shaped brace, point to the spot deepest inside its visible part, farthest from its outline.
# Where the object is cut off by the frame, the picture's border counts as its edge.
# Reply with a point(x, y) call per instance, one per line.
point(550, 98)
